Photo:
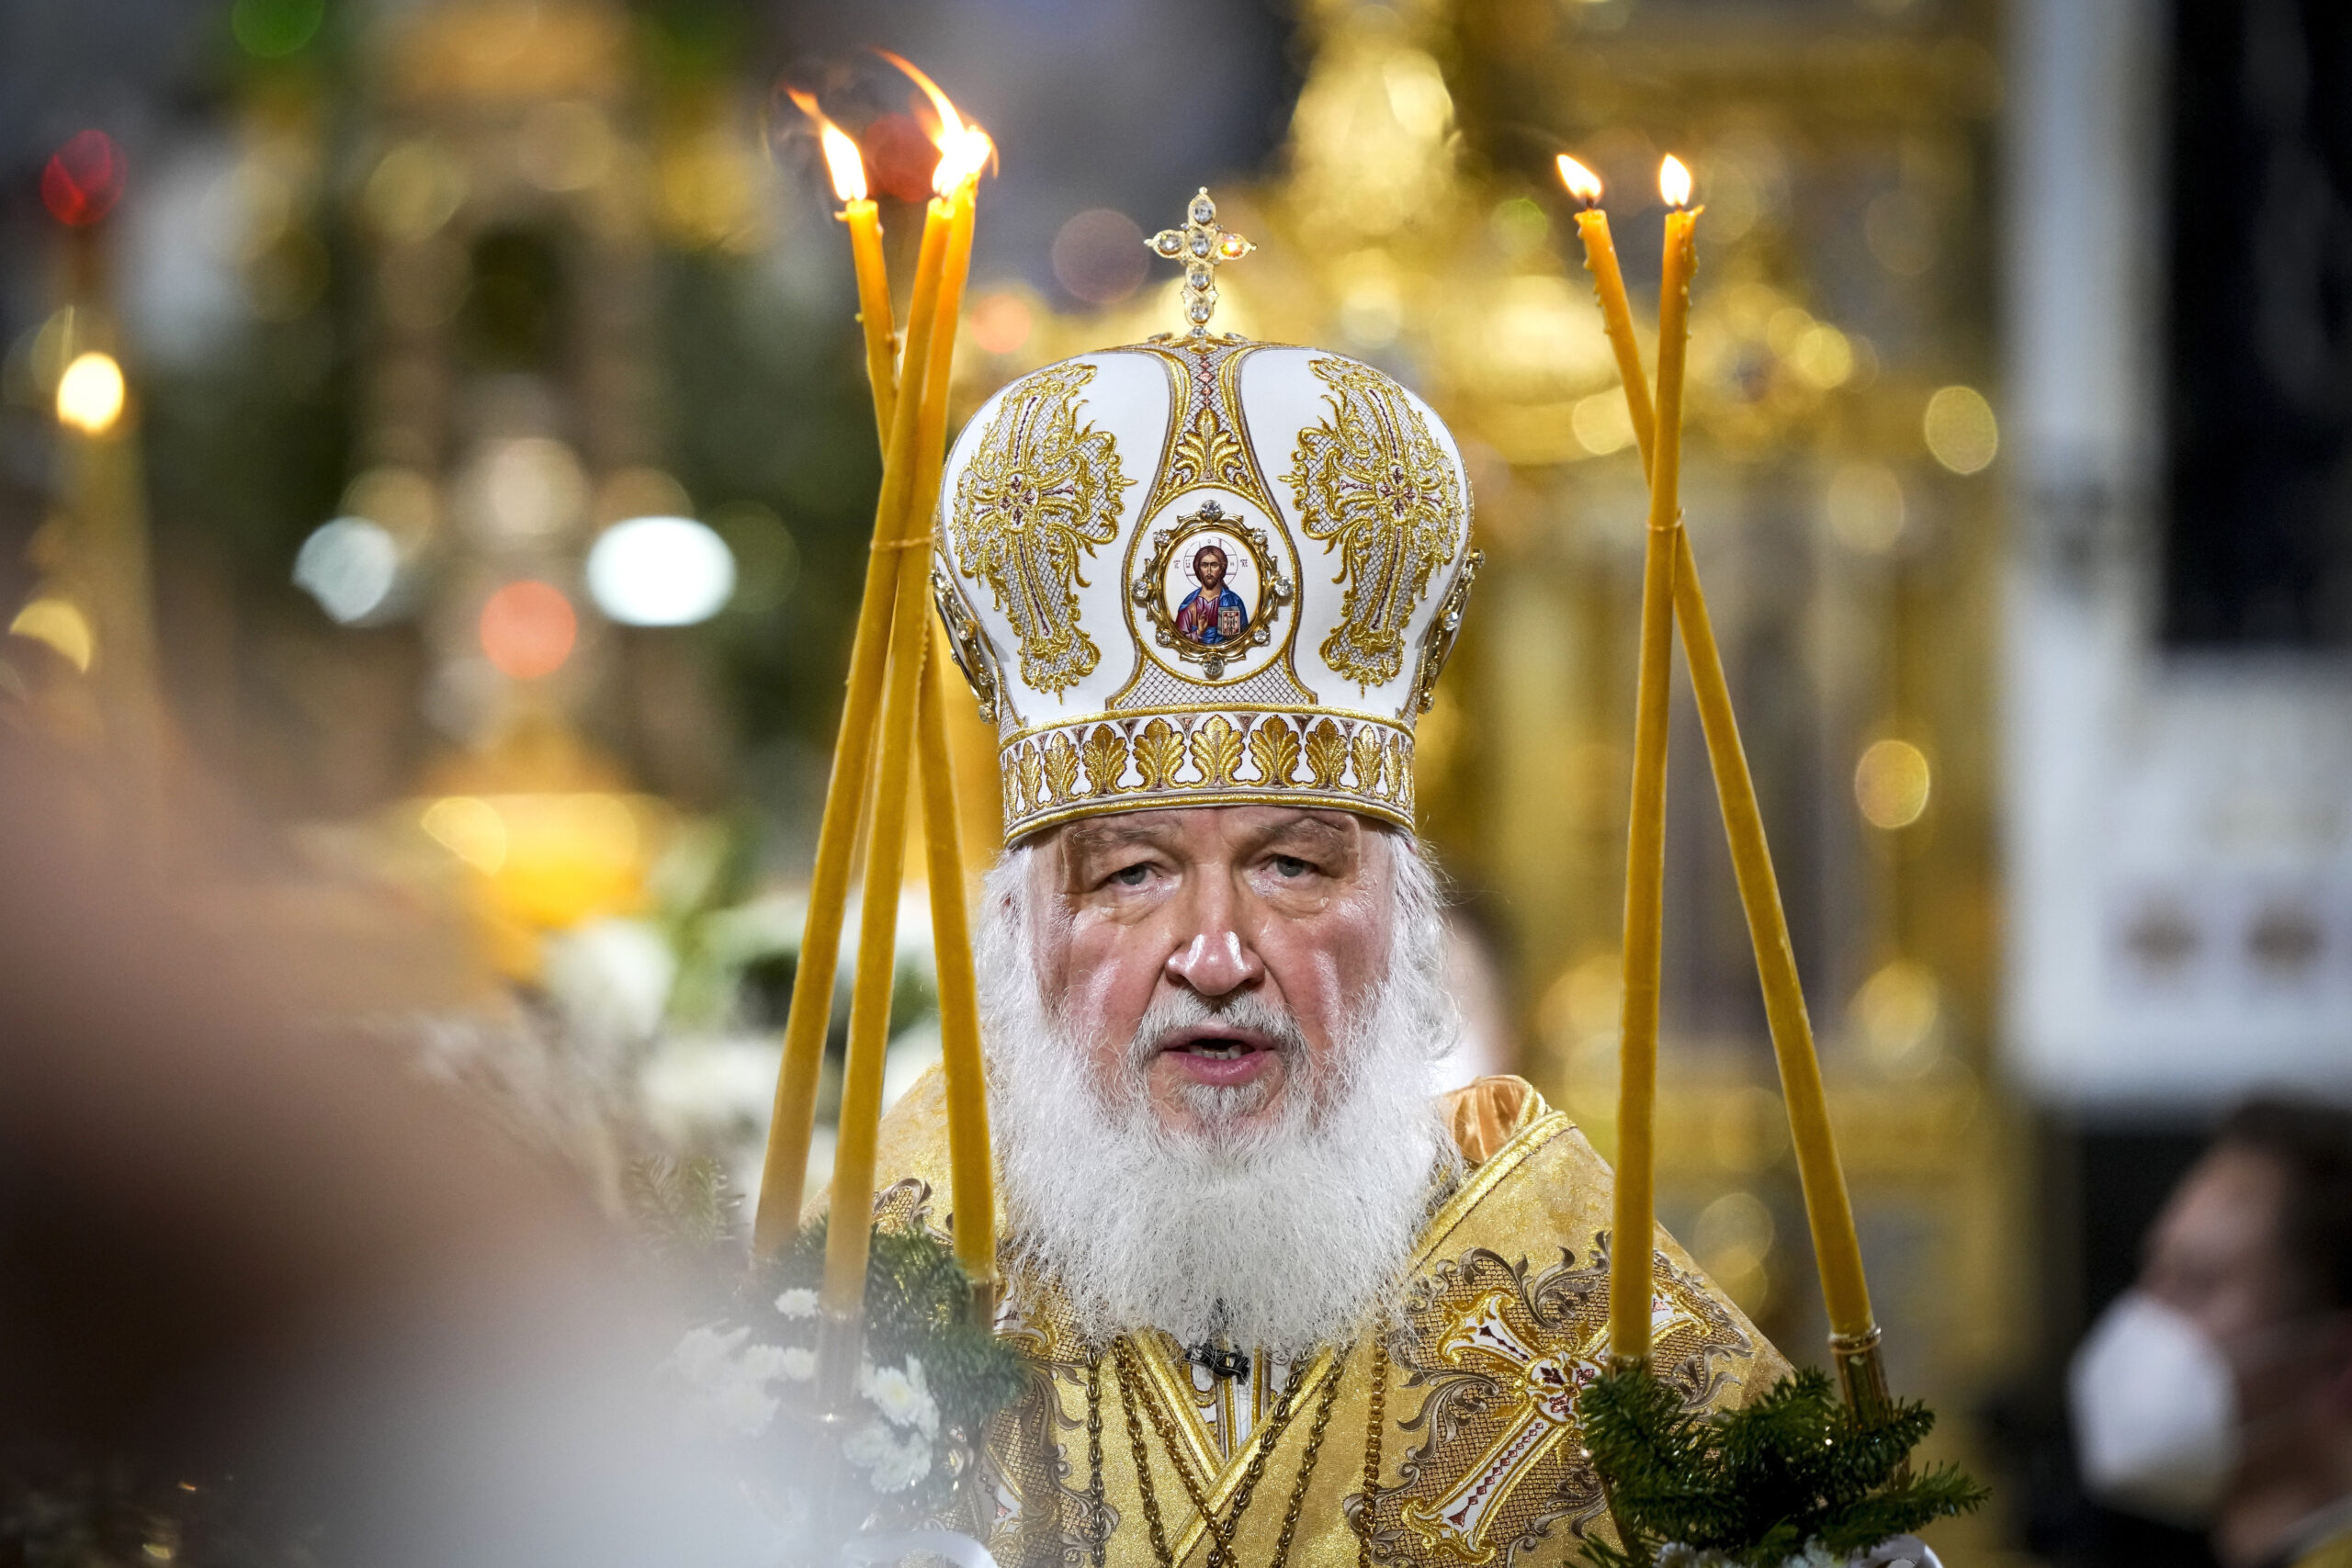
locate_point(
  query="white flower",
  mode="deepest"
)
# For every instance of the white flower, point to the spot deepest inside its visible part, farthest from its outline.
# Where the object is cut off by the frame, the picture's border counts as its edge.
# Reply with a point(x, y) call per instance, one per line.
point(765, 1363)
point(703, 1355)
point(799, 1365)
point(731, 1389)
point(891, 1462)
point(902, 1396)
point(1674, 1554)
point(797, 1303)
point(1815, 1555)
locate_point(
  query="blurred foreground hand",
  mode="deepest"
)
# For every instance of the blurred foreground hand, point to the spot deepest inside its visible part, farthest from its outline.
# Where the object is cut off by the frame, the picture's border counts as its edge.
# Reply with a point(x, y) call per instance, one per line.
point(265, 1300)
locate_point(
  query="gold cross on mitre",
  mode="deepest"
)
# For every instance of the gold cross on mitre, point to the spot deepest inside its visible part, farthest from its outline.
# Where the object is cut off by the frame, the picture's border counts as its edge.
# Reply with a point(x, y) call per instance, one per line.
point(1203, 247)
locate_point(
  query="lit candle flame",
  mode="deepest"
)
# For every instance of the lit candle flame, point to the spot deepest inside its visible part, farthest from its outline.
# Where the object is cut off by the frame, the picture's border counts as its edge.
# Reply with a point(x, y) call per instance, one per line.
point(90, 394)
point(1674, 181)
point(840, 152)
point(961, 158)
point(951, 124)
point(964, 148)
point(1582, 183)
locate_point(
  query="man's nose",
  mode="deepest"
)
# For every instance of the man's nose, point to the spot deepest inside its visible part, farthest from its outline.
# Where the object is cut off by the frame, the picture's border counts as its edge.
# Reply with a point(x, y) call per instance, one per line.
point(1214, 960)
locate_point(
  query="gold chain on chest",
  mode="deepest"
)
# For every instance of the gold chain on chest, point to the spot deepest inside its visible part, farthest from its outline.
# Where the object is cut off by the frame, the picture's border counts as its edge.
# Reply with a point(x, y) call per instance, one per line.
point(1098, 1527)
point(1221, 1530)
point(1375, 1425)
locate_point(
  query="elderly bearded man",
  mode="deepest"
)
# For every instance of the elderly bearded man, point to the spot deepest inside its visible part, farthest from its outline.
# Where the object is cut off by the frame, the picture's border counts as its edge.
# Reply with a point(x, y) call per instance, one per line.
point(1282, 1303)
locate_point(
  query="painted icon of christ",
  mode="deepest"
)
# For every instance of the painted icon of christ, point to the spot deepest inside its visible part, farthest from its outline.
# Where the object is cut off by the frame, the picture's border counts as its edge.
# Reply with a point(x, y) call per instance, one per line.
point(1211, 614)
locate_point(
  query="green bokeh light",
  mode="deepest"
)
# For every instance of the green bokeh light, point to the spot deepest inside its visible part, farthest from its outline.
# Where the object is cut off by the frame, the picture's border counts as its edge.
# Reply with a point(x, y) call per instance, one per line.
point(274, 29)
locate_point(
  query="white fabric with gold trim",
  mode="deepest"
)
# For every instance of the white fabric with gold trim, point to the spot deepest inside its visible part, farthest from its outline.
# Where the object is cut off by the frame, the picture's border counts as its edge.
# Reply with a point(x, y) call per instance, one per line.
point(1203, 571)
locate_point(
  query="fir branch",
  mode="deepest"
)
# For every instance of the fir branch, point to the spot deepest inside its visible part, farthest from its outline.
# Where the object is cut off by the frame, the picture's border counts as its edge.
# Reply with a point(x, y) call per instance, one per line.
point(918, 1303)
point(686, 1207)
point(1757, 1484)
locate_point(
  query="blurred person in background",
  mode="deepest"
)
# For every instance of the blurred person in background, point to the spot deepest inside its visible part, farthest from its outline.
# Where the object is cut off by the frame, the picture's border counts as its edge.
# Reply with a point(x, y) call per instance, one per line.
point(2218, 1391)
point(264, 1297)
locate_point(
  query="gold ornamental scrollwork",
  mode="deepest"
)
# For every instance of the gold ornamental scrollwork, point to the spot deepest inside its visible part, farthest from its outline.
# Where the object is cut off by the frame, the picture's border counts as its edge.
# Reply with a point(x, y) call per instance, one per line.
point(1499, 1352)
point(1039, 494)
point(1372, 483)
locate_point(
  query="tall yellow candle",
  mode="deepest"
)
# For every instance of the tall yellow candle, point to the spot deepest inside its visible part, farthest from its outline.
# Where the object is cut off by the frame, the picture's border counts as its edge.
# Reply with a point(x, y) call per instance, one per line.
point(1630, 1273)
point(865, 221)
point(968, 1158)
point(785, 1168)
point(848, 1235)
point(1609, 285)
point(965, 151)
point(1837, 1250)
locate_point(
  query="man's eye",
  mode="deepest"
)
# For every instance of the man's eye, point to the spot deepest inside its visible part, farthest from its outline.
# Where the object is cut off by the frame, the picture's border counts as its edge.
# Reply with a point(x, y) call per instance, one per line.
point(1131, 875)
point(1291, 865)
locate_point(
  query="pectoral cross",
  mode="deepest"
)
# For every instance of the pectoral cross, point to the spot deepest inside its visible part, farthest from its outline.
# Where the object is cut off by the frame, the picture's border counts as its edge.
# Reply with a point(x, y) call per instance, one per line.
point(1220, 1360)
point(1203, 245)
point(1546, 1383)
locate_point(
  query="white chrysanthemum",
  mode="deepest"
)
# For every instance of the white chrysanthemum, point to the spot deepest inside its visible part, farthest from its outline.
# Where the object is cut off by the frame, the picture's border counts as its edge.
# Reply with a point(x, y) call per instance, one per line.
point(1674, 1554)
point(799, 1365)
point(1816, 1555)
point(702, 1356)
point(902, 1396)
point(797, 1303)
point(731, 1389)
point(765, 1363)
point(891, 1463)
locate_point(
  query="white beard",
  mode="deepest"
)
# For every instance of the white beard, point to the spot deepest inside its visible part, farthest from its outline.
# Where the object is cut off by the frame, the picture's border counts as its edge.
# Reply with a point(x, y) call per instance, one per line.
point(1280, 1238)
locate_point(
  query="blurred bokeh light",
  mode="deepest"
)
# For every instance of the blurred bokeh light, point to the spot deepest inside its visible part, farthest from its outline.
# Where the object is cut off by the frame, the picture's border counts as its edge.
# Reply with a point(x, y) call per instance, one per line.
point(527, 629)
point(660, 571)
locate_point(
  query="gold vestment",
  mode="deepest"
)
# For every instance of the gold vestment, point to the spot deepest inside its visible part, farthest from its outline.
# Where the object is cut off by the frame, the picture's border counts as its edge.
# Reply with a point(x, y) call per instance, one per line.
point(1452, 1442)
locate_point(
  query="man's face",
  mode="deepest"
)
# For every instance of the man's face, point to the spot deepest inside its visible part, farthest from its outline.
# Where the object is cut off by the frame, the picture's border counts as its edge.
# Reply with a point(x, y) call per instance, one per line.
point(1211, 570)
point(2218, 1256)
point(1290, 908)
point(2214, 1253)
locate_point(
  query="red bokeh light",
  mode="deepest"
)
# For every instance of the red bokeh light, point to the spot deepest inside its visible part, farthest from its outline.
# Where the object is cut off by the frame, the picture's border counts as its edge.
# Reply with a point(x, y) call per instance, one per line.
point(899, 157)
point(83, 179)
point(527, 629)
point(1000, 323)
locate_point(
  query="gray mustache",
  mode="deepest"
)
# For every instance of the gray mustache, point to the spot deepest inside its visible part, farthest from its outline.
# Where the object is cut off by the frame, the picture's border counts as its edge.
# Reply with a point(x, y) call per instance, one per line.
point(1244, 1009)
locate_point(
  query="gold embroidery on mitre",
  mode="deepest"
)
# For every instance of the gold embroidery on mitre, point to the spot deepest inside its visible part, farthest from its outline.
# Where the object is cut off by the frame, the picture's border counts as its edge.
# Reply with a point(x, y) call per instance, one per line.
point(1205, 756)
point(1039, 492)
point(1106, 759)
point(1371, 482)
point(1274, 748)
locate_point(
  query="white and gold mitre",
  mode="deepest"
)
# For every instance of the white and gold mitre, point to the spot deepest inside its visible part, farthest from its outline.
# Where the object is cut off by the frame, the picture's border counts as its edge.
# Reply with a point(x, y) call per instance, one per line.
point(1203, 571)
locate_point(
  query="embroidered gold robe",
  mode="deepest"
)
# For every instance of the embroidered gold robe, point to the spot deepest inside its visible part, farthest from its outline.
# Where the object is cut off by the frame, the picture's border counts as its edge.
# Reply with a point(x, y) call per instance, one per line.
point(1454, 1440)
